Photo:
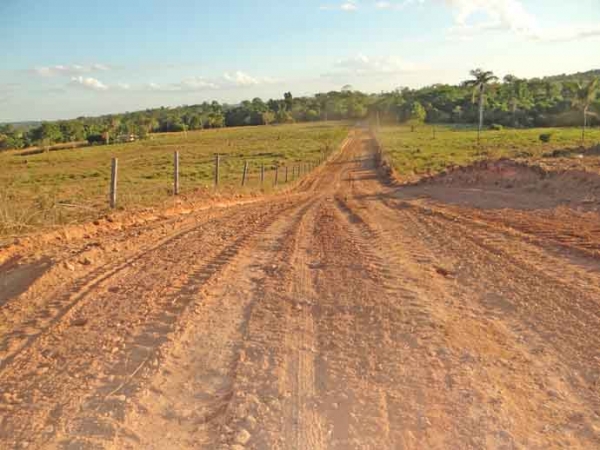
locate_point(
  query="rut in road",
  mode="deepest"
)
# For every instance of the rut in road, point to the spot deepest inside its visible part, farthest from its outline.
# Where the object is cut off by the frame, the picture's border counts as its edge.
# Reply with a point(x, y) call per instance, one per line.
point(350, 314)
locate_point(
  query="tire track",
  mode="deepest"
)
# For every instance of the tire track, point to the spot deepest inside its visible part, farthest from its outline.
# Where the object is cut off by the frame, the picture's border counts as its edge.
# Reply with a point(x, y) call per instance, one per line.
point(23, 336)
point(148, 325)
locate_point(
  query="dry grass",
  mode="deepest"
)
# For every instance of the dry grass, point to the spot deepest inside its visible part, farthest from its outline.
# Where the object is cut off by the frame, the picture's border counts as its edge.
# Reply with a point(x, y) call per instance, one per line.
point(60, 187)
point(414, 153)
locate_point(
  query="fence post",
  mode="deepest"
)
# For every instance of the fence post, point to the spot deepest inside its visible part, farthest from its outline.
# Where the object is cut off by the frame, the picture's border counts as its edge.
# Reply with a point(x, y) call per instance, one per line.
point(114, 167)
point(176, 174)
point(245, 173)
point(286, 174)
point(262, 174)
point(217, 163)
point(276, 176)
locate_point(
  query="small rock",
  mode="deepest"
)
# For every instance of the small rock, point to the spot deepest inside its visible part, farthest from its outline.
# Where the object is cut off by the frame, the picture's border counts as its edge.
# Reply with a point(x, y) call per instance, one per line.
point(443, 272)
point(67, 265)
point(86, 261)
point(80, 322)
point(242, 437)
point(114, 289)
point(251, 422)
point(49, 429)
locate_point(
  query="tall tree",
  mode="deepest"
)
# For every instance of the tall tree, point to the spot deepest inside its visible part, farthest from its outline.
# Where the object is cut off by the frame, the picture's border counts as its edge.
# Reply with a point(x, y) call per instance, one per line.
point(583, 96)
point(481, 79)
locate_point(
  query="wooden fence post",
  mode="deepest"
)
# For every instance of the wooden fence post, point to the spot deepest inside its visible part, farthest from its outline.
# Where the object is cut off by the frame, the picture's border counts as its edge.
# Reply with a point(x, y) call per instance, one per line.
point(245, 174)
point(286, 174)
point(217, 164)
point(114, 167)
point(176, 174)
point(262, 174)
point(276, 176)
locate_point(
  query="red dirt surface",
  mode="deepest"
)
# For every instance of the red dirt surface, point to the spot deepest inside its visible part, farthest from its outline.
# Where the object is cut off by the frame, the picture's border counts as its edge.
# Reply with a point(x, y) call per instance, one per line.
point(351, 313)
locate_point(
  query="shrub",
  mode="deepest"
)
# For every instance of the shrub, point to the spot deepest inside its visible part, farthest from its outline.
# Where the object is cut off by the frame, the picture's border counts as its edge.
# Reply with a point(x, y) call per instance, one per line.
point(546, 137)
point(496, 127)
point(96, 139)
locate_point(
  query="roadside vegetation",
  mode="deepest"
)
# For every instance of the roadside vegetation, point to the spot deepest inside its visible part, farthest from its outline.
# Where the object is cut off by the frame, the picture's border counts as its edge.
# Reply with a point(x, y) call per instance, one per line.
point(565, 100)
point(427, 149)
point(60, 171)
point(64, 186)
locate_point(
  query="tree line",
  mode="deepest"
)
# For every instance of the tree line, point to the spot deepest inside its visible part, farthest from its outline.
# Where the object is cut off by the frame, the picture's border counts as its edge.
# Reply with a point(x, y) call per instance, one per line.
point(564, 100)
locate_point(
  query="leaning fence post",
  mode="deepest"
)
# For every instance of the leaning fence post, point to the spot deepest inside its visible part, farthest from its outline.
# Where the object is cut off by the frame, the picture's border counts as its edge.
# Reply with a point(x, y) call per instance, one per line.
point(217, 163)
point(114, 166)
point(176, 174)
point(245, 173)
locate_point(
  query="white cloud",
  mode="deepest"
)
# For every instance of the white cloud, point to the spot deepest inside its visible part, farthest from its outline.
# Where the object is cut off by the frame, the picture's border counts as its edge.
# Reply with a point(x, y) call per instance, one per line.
point(237, 79)
point(197, 84)
point(349, 5)
point(75, 69)
point(396, 5)
point(241, 79)
point(362, 65)
point(88, 83)
point(510, 15)
point(500, 14)
point(473, 17)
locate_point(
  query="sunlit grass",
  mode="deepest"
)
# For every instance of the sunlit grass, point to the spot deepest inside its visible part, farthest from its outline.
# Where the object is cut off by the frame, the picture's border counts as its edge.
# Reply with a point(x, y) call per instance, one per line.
point(73, 184)
point(419, 152)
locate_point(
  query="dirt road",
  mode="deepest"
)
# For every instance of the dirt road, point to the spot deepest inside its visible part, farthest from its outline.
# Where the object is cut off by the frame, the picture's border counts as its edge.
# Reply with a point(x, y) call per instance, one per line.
point(348, 314)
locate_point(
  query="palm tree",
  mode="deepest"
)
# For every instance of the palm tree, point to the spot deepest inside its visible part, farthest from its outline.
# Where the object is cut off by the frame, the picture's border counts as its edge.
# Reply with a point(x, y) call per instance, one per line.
point(480, 81)
point(583, 96)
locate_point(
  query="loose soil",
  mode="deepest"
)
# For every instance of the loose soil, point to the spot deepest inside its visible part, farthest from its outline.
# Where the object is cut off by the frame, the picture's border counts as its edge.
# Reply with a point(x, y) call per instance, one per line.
point(350, 313)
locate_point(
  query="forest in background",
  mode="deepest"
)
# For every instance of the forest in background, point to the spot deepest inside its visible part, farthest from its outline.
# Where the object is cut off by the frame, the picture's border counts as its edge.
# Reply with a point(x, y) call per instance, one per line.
point(510, 102)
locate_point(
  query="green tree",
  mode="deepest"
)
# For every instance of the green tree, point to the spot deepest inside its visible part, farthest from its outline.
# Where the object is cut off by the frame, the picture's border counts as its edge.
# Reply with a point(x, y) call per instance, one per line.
point(481, 80)
point(417, 114)
point(268, 117)
point(284, 116)
point(288, 100)
point(47, 133)
point(583, 95)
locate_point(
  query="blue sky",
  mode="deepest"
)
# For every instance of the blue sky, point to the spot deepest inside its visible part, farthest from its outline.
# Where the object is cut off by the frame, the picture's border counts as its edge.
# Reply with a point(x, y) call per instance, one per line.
point(66, 58)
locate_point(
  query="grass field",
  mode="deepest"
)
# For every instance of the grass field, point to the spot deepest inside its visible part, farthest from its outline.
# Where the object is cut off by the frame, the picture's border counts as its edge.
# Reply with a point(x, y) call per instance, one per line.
point(70, 185)
point(418, 152)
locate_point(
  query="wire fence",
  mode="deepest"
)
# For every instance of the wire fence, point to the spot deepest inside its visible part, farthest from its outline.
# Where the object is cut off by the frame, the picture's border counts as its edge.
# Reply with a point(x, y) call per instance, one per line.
point(224, 171)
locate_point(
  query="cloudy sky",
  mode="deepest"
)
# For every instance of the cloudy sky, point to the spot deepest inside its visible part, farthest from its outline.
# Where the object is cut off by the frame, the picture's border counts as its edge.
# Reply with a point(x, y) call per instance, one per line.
point(66, 58)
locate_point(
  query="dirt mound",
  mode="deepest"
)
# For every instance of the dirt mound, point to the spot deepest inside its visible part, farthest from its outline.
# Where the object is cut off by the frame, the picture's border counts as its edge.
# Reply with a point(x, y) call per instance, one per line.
point(501, 173)
point(569, 185)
